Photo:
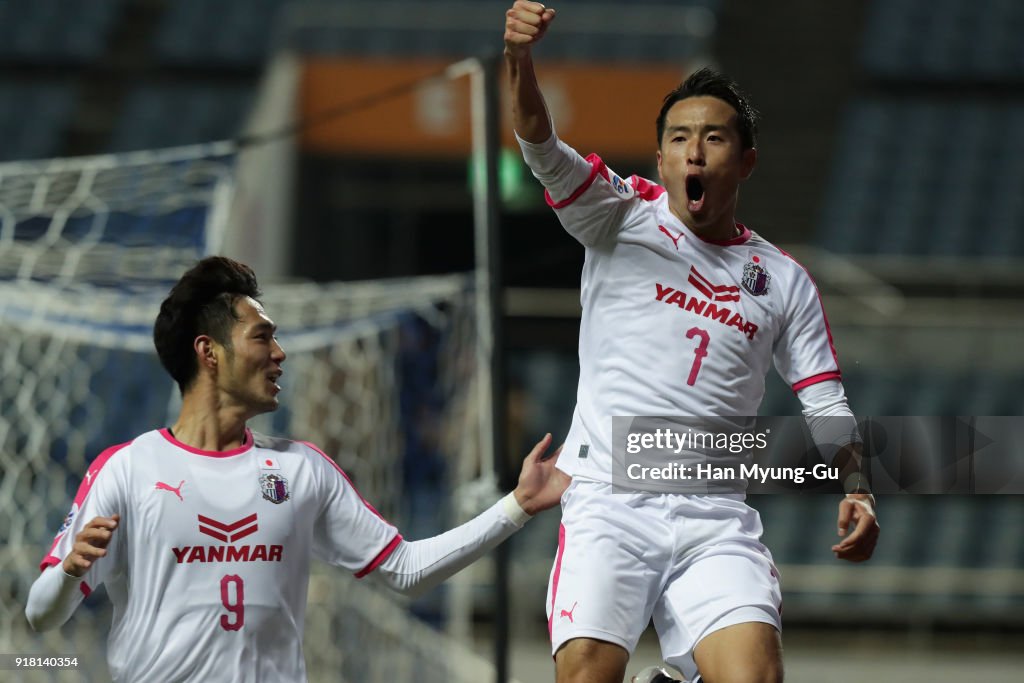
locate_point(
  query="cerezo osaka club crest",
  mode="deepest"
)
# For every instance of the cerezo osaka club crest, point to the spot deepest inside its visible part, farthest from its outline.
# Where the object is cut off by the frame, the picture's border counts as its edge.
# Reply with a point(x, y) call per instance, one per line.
point(274, 487)
point(755, 278)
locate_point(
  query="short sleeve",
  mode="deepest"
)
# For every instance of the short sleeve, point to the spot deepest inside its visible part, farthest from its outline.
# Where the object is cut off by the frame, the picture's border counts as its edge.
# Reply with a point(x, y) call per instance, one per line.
point(804, 353)
point(101, 494)
point(602, 206)
point(348, 531)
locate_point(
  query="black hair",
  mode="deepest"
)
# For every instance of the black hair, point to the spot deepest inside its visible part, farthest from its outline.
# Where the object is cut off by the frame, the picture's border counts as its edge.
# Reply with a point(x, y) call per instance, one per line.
point(709, 83)
point(201, 302)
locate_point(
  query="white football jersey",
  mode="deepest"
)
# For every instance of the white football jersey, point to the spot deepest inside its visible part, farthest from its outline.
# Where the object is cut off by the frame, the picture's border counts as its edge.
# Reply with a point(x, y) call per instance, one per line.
point(676, 325)
point(208, 569)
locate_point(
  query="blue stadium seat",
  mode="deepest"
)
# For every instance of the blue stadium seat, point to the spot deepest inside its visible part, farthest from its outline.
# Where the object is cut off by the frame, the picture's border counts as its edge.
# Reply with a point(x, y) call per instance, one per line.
point(783, 518)
point(893, 189)
point(170, 115)
point(225, 33)
point(55, 31)
point(998, 521)
point(34, 118)
point(945, 40)
point(387, 39)
point(953, 520)
point(779, 398)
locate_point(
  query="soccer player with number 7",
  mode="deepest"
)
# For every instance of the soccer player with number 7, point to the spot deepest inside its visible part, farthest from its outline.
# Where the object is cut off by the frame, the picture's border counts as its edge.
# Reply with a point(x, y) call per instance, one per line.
point(684, 310)
point(203, 532)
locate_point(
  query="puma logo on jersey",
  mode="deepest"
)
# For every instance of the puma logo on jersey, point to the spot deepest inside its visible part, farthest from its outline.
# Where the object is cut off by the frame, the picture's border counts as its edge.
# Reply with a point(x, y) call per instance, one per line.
point(707, 309)
point(160, 486)
point(88, 476)
point(568, 613)
point(674, 238)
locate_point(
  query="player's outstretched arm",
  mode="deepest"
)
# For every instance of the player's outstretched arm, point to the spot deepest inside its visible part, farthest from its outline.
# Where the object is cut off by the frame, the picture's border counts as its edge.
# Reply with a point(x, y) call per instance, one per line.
point(541, 483)
point(525, 24)
point(858, 545)
point(57, 592)
point(417, 566)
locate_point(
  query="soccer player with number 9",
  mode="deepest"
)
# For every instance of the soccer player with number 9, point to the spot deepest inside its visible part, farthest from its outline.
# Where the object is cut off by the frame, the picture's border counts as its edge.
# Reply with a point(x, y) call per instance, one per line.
point(203, 532)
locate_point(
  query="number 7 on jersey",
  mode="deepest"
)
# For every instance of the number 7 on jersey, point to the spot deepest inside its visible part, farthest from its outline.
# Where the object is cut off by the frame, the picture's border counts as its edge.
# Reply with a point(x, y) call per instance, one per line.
point(700, 353)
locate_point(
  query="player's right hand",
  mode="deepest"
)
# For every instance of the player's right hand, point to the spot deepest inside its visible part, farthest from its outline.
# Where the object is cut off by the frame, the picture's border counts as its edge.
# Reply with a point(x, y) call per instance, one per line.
point(541, 483)
point(90, 544)
point(525, 24)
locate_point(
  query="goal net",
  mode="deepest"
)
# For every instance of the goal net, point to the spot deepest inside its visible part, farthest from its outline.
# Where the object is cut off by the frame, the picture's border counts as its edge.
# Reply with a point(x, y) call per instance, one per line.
point(381, 375)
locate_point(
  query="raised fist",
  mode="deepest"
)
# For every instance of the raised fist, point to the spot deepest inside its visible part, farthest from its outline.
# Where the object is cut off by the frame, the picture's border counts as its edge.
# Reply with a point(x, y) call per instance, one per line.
point(525, 24)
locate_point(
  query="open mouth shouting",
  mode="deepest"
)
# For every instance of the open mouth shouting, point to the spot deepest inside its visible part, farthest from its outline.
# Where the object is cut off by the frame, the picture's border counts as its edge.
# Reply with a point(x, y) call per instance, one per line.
point(694, 193)
point(273, 378)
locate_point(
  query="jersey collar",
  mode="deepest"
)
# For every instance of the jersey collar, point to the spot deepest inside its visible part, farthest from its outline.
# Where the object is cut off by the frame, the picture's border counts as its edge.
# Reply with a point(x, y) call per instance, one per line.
point(742, 237)
point(246, 445)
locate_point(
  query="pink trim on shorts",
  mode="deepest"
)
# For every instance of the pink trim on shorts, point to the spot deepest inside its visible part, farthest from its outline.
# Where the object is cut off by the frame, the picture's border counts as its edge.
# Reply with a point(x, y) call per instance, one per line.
point(554, 579)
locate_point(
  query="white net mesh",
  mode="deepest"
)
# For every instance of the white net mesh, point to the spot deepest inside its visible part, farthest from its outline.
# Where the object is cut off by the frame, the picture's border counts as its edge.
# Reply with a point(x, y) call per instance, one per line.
point(378, 376)
point(116, 220)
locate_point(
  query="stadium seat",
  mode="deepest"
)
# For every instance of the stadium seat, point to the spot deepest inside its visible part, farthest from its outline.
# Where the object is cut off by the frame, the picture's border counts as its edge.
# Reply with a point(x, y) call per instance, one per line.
point(393, 36)
point(229, 33)
point(945, 40)
point(779, 398)
point(883, 198)
point(54, 31)
point(179, 114)
point(39, 135)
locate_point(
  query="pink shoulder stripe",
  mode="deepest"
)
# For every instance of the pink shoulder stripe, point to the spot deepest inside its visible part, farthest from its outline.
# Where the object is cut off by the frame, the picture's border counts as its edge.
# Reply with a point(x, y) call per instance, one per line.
point(94, 469)
point(83, 490)
point(645, 189)
point(596, 166)
point(828, 328)
point(815, 379)
point(342, 472)
point(381, 556)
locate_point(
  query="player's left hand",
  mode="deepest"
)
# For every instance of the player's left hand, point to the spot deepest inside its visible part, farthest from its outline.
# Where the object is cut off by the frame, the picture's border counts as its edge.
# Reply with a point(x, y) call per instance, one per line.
point(541, 484)
point(858, 546)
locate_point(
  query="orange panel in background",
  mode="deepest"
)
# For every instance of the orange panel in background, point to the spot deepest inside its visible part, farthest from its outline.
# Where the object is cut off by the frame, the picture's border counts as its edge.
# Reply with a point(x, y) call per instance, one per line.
point(605, 109)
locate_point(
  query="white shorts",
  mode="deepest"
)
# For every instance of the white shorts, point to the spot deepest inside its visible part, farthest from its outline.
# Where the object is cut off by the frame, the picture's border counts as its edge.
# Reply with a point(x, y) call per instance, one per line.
point(694, 563)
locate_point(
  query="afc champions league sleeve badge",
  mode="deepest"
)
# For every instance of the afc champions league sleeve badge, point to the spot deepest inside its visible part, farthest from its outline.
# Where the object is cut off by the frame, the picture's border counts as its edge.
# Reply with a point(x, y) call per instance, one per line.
point(274, 488)
point(622, 187)
point(755, 278)
point(66, 524)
